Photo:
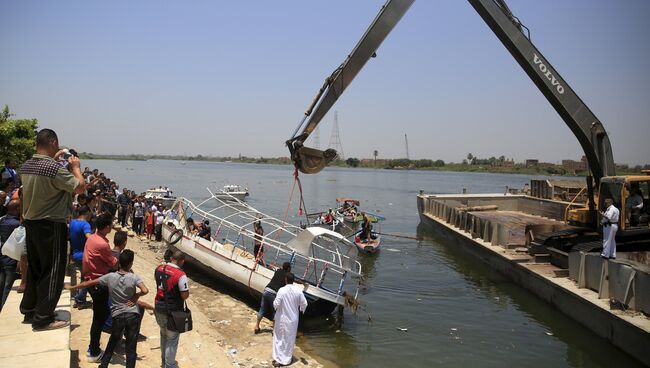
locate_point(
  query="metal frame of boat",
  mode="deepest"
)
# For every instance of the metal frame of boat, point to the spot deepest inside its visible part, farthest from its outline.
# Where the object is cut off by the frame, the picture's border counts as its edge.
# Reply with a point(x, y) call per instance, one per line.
point(324, 259)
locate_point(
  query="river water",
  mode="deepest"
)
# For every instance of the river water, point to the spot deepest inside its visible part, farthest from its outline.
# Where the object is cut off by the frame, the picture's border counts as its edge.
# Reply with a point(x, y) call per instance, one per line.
point(457, 311)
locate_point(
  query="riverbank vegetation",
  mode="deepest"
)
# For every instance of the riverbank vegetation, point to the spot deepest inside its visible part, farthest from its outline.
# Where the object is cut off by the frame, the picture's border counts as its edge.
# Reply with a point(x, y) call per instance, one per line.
point(489, 165)
point(17, 137)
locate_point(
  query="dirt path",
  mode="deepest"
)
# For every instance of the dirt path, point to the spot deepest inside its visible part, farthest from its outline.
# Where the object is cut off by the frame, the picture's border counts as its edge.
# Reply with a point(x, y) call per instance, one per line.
point(223, 326)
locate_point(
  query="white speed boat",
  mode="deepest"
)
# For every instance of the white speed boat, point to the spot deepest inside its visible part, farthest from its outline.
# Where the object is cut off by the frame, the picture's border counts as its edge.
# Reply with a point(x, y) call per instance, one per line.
point(228, 192)
point(161, 195)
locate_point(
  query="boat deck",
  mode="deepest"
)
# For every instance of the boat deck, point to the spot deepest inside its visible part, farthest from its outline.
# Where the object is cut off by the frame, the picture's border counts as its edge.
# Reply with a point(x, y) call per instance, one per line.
point(514, 222)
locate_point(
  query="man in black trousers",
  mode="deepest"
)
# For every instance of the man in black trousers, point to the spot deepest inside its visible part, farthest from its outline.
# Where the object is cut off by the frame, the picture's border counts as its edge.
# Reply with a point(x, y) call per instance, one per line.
point(48, 187)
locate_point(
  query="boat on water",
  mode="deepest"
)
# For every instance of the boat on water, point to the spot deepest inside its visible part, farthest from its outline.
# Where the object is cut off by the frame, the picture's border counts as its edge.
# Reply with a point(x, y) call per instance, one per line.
point(161, 195)
point(348, 209)
point(326, 220)
point(345, 219)
point(323, 259)
point(368, 246)
point(231, 191)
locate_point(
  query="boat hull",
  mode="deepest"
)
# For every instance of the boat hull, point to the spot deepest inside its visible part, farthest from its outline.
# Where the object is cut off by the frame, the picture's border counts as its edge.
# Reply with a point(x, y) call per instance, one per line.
point(240, 196)
point(368, 247)
point(239, 269)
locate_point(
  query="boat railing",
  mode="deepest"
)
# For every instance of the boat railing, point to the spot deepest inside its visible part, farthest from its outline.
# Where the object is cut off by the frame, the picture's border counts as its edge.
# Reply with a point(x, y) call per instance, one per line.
point(327, 267)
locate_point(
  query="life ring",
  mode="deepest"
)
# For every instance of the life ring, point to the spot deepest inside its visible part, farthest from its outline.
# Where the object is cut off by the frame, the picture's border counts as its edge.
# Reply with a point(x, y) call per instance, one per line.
point(178, 233)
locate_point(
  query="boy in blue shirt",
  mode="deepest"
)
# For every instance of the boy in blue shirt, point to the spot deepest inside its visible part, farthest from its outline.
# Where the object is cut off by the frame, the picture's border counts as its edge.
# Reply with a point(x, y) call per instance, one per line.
point(79, 232)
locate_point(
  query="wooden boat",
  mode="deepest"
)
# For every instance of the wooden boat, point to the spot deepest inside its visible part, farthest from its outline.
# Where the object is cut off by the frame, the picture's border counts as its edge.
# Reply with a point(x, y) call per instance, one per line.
point(318, 220)
point(348, 209)
point(324, 259)
point(368, 247)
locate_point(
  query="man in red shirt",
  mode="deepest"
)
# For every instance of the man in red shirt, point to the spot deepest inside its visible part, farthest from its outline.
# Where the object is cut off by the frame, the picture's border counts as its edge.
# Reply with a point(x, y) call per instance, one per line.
point(98, 260)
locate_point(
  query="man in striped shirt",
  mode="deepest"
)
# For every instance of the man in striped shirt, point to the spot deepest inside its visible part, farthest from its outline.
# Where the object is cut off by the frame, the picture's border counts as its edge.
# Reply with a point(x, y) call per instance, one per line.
point(48, 188)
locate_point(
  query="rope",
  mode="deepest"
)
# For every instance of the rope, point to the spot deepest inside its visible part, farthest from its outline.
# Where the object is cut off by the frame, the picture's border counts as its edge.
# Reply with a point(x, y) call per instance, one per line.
point(301, 206)
point(286, 211)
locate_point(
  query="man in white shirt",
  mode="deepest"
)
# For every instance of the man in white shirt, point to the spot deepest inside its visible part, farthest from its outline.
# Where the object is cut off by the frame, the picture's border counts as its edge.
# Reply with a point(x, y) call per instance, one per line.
point(138, 216)
point(288, 302)
point(610, 227)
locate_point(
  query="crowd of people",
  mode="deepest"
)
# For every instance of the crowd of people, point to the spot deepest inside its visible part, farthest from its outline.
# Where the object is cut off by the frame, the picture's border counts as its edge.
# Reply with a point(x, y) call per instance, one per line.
point(56, 203)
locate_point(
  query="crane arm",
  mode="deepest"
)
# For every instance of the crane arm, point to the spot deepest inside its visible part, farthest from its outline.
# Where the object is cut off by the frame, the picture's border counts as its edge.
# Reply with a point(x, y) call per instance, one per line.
point(583, 123)
point(310, 160)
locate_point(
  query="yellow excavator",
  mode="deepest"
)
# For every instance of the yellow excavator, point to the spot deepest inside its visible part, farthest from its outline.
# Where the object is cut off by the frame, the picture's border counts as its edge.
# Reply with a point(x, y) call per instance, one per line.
point(601, 184)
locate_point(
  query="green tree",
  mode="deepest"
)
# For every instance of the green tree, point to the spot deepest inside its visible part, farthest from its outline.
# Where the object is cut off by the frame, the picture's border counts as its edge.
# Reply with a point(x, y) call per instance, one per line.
point(17, 137)
point(352, 162)
point(422, 163)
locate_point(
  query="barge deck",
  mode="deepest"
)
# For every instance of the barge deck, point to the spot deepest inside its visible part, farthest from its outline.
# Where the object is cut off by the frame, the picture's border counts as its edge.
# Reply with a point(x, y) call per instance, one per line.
point(493, 228)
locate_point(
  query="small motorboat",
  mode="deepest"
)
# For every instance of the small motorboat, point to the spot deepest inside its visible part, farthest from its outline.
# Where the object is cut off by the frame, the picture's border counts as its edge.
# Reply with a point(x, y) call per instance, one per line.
point(368, 246)
point(348, 209)
point(230, 192)
point(161, 195)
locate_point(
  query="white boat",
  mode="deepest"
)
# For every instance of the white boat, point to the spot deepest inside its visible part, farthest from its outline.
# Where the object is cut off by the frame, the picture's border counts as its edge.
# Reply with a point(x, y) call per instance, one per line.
point(323, 259)
point(228, 192)
point(161, 195)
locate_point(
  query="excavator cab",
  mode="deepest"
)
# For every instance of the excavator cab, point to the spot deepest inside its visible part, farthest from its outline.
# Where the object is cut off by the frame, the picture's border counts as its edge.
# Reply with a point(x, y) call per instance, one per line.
point(627, 193)
point(636, 201)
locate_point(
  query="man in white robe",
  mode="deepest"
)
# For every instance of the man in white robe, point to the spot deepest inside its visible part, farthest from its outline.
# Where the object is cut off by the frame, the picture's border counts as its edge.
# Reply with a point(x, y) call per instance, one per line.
point(610, 227)
point(288, 303)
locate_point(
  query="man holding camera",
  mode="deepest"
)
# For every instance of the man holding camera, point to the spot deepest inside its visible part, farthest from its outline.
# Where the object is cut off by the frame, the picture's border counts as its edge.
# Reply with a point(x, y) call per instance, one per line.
point(48, 188)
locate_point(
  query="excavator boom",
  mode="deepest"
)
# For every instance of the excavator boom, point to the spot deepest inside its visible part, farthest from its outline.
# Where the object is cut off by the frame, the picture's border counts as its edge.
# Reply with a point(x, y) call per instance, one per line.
point(578, 117)
point(310, 160)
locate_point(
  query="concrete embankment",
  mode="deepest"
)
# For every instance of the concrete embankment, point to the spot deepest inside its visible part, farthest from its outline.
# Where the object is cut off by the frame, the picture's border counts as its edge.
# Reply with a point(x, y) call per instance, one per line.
point(629, 331)
point(21, 347)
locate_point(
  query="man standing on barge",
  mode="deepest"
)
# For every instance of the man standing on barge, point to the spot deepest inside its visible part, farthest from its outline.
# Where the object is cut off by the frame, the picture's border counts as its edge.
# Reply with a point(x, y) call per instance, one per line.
point(610, 227)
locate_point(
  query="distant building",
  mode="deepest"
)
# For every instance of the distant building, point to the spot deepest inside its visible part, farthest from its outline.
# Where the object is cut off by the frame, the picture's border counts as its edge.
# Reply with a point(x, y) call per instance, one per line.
point(575, 166)
point(531, 162)
point(546, 165)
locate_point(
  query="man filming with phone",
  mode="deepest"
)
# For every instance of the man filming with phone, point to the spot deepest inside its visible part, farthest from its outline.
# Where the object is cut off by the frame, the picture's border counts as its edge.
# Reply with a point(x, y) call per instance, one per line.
point(48, 189)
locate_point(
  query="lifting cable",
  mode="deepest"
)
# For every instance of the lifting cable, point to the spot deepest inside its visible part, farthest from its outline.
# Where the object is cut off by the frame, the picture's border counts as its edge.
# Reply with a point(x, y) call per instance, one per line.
point(301, 206)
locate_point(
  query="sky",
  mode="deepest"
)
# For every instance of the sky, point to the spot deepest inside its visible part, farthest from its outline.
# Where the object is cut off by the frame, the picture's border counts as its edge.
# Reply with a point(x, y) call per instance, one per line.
point(224, 78)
